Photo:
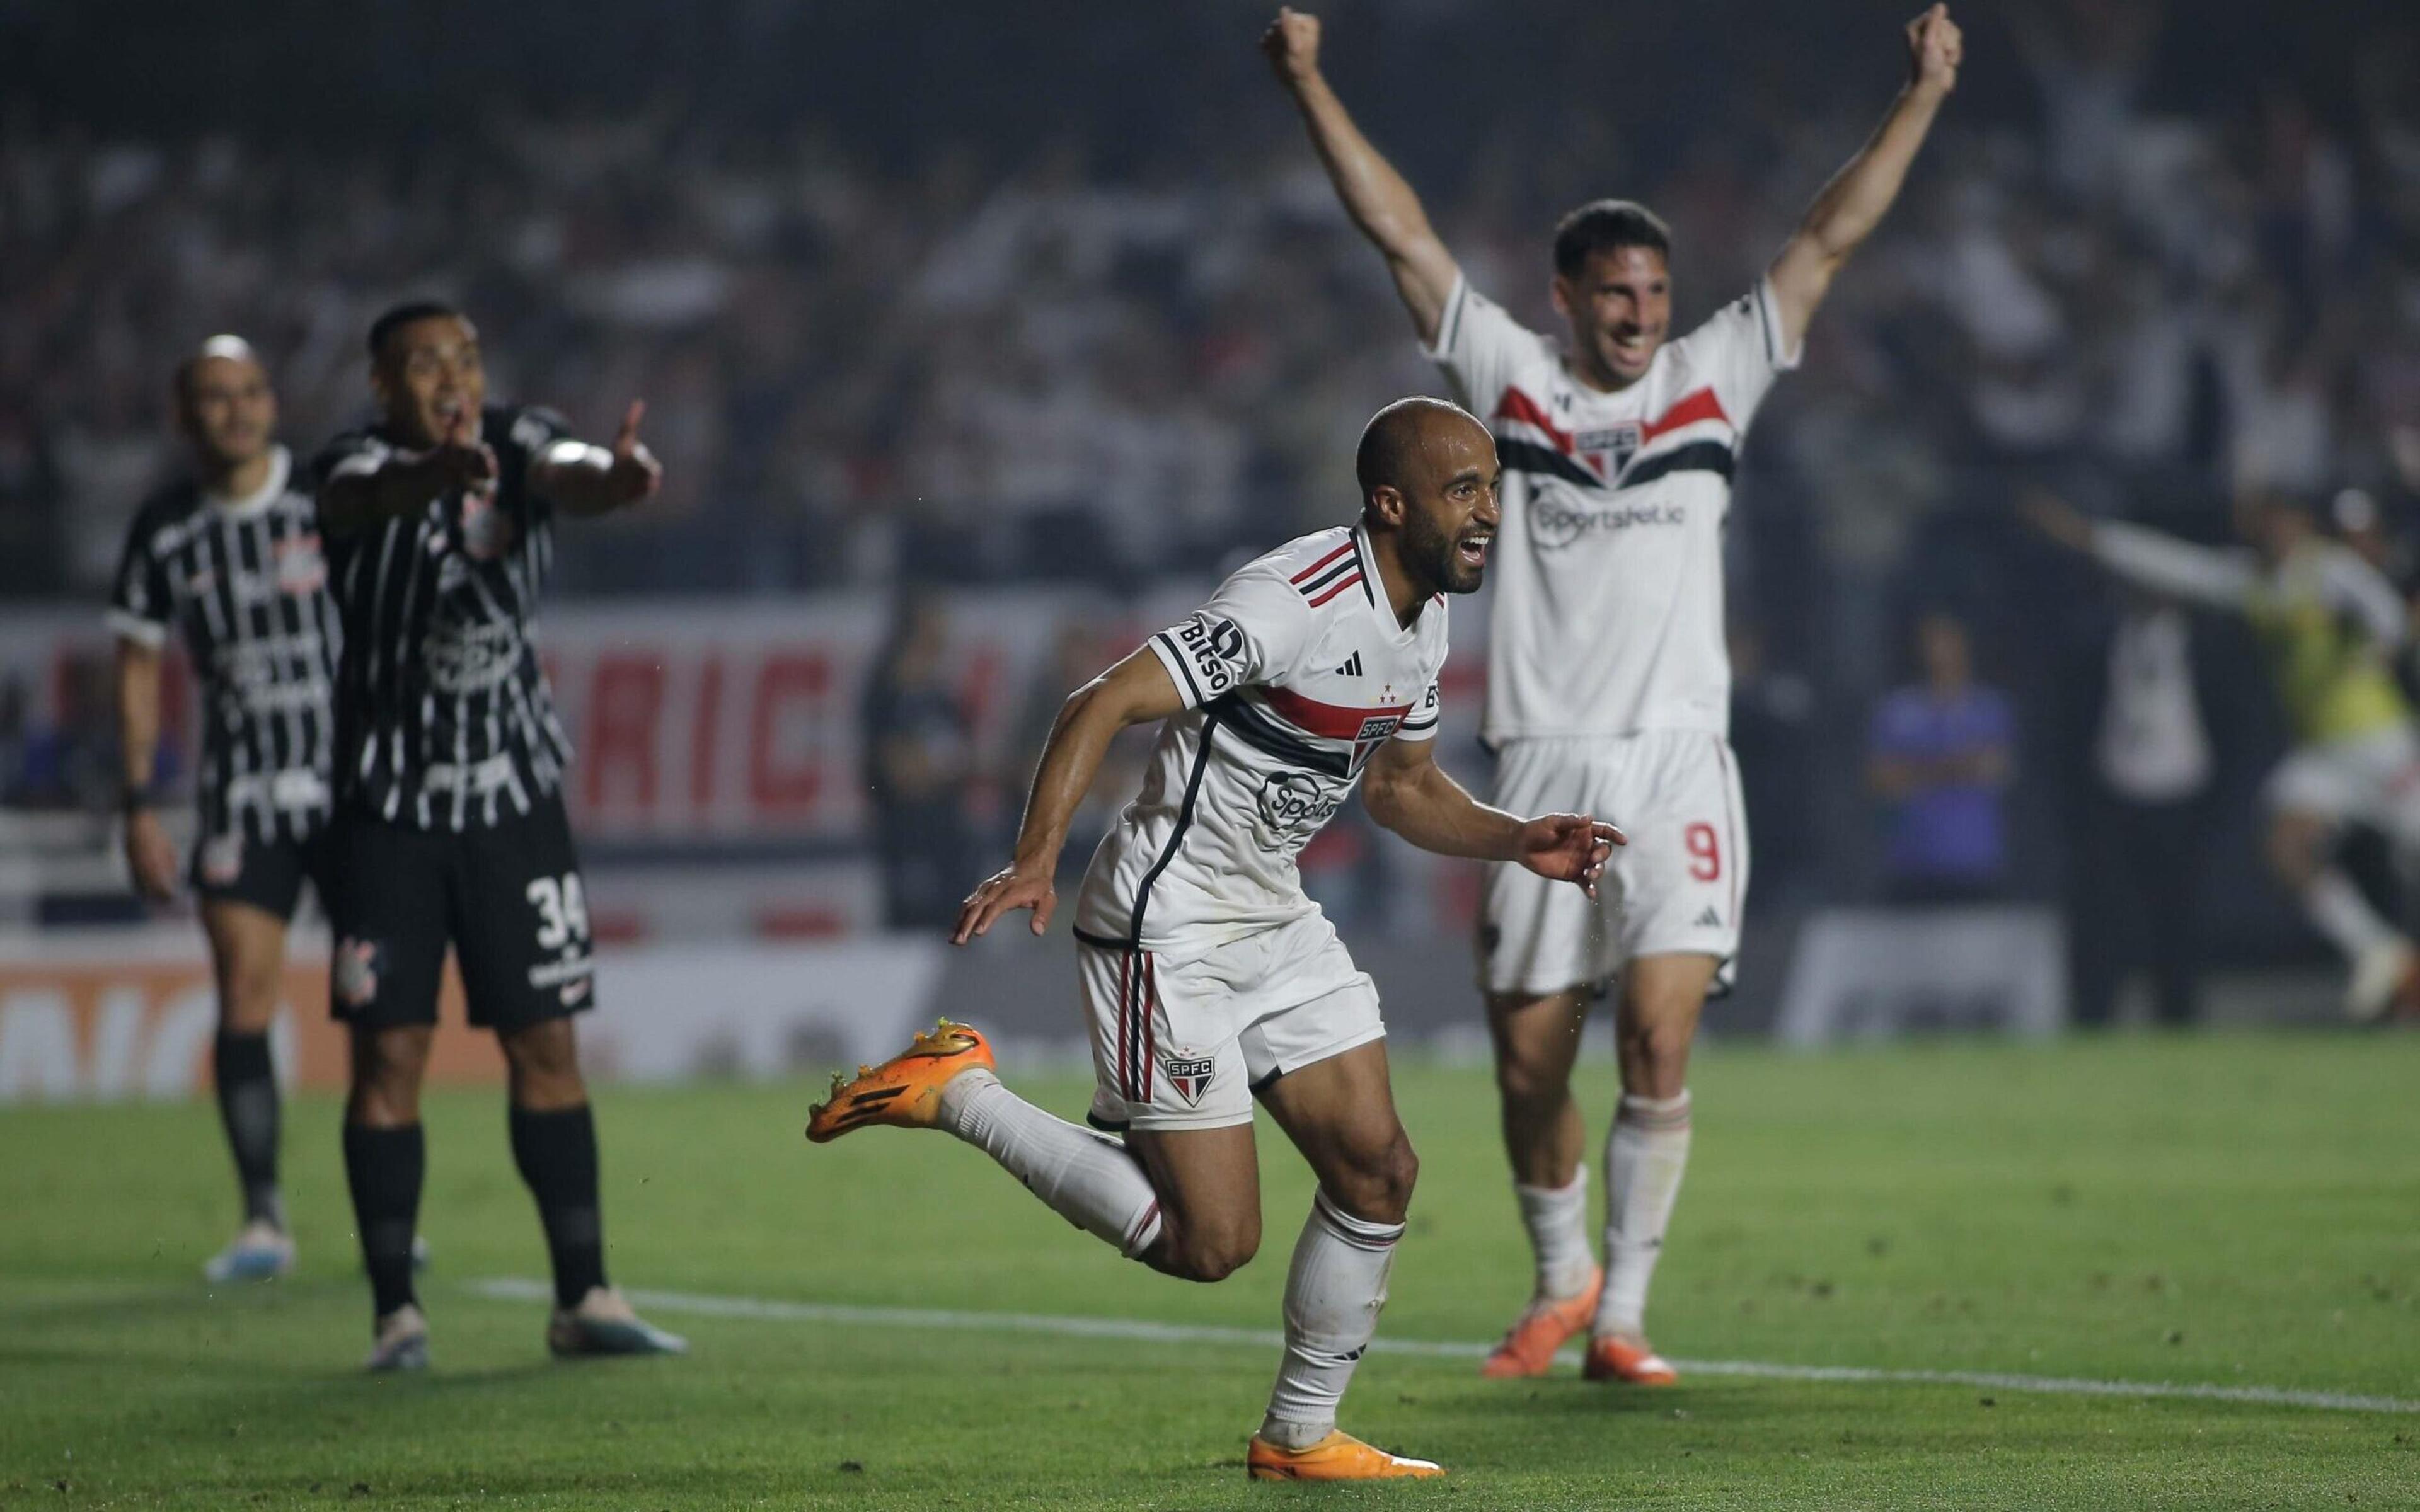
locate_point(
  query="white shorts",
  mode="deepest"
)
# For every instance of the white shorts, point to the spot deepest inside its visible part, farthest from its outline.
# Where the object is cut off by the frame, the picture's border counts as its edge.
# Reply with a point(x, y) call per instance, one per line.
point(2371, 780)
point(1185, 1044)
point(1676, 888)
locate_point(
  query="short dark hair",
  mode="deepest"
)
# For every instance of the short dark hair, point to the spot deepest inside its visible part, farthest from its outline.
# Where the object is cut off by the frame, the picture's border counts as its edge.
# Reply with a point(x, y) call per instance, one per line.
point(397, 317)
point(1606, 226)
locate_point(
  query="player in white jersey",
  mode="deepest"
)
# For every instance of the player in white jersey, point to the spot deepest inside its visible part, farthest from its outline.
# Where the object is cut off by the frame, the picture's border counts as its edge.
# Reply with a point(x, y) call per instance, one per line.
point(1209, 978)
point(1608, 685)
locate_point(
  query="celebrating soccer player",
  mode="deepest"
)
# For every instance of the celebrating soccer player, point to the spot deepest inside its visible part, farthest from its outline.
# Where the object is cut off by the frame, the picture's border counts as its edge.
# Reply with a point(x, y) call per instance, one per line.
point(1608, 685)
point(440, 520)
point(2331, 627)
point(1209, 976)
point(231, 557)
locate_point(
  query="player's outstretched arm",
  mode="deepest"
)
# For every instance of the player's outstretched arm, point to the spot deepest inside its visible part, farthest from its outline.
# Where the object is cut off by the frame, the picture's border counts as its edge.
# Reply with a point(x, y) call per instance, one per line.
point(2145, 558)
point(1406, 790)
point(150, 856)
point(581, 479)
point(364, 490)
point(1855, 202)
point(1374, 194)
point(1136, 691)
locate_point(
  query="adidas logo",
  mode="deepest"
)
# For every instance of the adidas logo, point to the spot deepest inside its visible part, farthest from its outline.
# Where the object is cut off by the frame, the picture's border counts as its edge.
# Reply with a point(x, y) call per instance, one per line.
point(1352, 667)
point(1711, 918)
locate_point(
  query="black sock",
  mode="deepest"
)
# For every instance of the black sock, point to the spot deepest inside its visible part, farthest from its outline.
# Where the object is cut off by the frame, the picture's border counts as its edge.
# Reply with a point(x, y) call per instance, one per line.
point(247, 1088)
point(384, 1168)
point(556, 1153)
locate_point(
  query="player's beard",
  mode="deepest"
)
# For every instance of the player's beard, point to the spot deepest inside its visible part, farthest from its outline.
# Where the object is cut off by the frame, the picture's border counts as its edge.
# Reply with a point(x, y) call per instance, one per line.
point(1431, 546)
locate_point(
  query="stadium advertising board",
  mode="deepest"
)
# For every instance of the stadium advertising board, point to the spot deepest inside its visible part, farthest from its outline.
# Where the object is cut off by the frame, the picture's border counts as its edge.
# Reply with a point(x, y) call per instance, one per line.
point(109, 1016)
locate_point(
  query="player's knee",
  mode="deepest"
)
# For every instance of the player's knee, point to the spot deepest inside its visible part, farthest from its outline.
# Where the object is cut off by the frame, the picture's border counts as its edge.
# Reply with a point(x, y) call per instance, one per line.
point(248, 997)
point(1657, 1044)
point(1215, 1251)
point(1378, 1188)
point(388, 1065)
point(1522, 1074)
point(543, 1064)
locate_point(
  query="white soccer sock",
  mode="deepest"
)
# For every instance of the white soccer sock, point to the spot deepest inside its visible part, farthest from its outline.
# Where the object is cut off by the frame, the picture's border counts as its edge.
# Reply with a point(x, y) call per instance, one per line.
point(1333, 1293)
point(1085, 1178)
point(2344, 915)
point(1556, 1218)
point(1644, 1157)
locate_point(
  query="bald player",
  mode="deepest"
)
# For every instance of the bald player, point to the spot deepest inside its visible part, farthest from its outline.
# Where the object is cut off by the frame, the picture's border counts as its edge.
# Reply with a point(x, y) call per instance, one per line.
point(1208, 978)
point(228, 558)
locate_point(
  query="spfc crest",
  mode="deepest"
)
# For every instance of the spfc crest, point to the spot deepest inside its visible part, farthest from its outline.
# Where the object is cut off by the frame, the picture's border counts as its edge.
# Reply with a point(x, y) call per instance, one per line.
point(1191, 1078)
point(1609, 450)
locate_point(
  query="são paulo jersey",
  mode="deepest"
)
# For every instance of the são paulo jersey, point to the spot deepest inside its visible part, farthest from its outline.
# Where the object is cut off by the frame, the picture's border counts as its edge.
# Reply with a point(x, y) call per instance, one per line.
point(1292, 676)
point(1608, 565)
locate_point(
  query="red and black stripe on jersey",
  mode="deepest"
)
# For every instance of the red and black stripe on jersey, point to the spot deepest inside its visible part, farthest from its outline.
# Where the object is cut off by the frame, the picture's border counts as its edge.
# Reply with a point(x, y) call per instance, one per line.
point(1557, 456)
point(245, 588)
point(444, 718)
point(1335, 572)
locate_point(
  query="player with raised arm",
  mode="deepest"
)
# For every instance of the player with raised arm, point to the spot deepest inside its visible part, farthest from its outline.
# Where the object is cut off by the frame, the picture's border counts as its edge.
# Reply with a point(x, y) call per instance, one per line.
point(1608, 685)
point(2330, 625)
point(450, 826)
point(230, 558)
point(1209, 976)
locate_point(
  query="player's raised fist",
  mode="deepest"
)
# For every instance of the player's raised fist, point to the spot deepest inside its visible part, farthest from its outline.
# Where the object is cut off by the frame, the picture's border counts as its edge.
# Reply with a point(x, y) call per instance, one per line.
point(1935, 47)
point(1292, 43)
point(636, 473)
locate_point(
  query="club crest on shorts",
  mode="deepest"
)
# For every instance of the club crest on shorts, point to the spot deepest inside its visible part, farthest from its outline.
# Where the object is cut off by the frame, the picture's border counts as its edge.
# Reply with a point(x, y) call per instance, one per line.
point(355, 969)
point(223, 859)
point(1190, 1077)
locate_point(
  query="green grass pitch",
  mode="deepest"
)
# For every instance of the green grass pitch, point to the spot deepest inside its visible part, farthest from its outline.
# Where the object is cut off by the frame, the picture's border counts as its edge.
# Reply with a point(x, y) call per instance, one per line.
point(2238, 1210)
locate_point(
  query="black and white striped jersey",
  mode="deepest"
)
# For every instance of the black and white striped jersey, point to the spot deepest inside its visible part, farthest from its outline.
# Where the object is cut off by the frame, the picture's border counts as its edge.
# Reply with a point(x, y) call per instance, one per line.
point(243, 582)
point(444, 719)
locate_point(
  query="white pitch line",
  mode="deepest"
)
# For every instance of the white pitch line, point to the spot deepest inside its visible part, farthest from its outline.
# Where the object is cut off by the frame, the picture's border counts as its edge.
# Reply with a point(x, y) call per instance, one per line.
point(763, 1309)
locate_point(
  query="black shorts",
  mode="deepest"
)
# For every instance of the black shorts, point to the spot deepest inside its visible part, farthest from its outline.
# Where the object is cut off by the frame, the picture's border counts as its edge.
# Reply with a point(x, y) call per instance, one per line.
point(508, 897)
point(268, 874)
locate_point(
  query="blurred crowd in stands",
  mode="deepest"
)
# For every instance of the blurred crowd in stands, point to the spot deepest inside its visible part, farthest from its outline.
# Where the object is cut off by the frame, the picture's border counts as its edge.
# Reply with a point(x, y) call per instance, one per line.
point(1067, 299)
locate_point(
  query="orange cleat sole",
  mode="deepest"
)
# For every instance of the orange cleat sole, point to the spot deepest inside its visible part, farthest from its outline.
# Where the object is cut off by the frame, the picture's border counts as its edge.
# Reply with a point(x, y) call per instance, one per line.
point(905, 1090)
point(1337, 1457)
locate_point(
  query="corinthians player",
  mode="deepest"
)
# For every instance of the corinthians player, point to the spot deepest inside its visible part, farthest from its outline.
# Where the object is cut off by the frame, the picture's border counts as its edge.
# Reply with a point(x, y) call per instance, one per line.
point(230, 558)
point(450, 827)
point(1209, 976)
point(1608, 688)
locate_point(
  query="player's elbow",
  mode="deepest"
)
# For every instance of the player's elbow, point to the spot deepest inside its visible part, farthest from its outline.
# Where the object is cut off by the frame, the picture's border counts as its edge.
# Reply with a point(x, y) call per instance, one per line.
point(1385, 796)
point(1095, 704)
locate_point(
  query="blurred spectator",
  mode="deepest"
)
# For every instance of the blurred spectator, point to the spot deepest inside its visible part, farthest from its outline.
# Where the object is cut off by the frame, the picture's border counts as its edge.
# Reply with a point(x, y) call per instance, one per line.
point(1941, 755)
point(918, 761)
point(2146, 830)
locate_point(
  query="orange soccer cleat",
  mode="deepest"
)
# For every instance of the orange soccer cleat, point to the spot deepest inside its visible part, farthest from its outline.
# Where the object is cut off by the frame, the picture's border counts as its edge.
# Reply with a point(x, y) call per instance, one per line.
point(1611, 1357)
point(1529, 1348)
point(1337, 1457)
point(904, 1090)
